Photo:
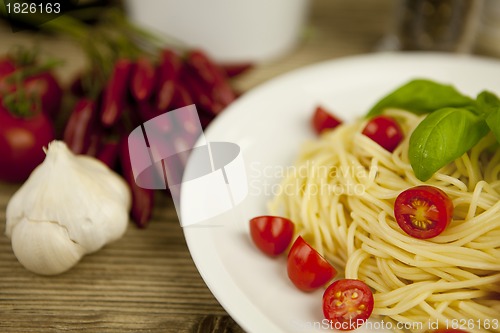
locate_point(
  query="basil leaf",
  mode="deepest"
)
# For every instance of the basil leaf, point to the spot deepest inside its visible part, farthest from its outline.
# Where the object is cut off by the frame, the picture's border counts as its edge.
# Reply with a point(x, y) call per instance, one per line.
point(493, 121)
point(487, 102)
point(442, 137)
point(489, 105)
point(422, 96)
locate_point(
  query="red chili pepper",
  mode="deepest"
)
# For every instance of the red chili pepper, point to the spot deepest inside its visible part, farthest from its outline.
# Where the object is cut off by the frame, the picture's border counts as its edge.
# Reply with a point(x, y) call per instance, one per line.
point(233, 70)
point(205, 119)
point(208, 71)
point(147, 111)
point(108, 153)
point(76, 86)
point(174, 168)
point(95, 142)
point(143, 79)
point(115, 92)
point(212, 76)
point(169, 70)
point(182, 96)
point(200, 92)
point(142, 199)
point(80, 126)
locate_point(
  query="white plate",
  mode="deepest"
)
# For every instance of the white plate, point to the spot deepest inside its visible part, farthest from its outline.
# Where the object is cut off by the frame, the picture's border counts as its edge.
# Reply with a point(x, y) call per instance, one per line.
point(269, 123)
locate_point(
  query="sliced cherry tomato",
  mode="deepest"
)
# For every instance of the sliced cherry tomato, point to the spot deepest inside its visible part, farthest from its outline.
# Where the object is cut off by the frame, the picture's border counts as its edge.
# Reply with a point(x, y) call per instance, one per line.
point(323, 120)
point(271, 234)
point(385, 131)
point(307, 269)
point(423, 211)
point(448, 330)
point(347, 303)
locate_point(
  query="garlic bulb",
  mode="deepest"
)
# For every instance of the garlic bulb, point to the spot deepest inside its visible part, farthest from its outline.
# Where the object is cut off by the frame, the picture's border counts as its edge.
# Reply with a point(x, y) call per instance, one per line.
point(69, 206)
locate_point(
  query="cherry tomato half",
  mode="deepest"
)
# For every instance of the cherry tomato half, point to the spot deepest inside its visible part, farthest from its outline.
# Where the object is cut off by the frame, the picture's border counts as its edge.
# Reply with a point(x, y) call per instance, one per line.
point(347, 303)
point(307, 269)
point(423, 211)
point(385, 131)
point(271, 234)
point(448, 330)
point(21, 143)
point(323, 120)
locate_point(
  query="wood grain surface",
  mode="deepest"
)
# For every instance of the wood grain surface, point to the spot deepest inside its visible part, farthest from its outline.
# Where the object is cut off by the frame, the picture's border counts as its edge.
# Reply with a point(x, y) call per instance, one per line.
point(147, 281)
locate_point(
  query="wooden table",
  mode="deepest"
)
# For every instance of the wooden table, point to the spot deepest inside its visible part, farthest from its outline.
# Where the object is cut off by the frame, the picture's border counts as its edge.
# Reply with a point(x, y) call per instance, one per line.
point(147, 281)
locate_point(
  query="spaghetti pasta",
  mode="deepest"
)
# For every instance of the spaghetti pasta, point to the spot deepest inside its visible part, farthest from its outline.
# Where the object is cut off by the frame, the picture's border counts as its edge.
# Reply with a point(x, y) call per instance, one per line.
point(341, 197)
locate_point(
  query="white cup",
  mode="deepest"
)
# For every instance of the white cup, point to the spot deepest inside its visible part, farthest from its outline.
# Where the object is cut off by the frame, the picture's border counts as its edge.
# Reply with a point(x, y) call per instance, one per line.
point(231, 31)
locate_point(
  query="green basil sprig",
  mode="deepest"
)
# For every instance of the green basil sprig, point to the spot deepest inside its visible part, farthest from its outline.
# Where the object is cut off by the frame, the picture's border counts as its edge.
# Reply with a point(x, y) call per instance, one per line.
point(442, 137)
point(455, 123)
point(422, 96)
point(489, 105)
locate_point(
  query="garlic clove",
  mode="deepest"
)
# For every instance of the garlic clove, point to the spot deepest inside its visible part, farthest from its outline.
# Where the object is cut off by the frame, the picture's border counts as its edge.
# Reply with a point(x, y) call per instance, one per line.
point(79, 194)
point(44, 247)
point(116, 186)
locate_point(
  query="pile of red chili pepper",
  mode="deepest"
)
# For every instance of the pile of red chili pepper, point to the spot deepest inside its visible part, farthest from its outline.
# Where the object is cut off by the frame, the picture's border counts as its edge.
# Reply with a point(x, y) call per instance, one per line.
point(136, 91)
point(131, 78)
